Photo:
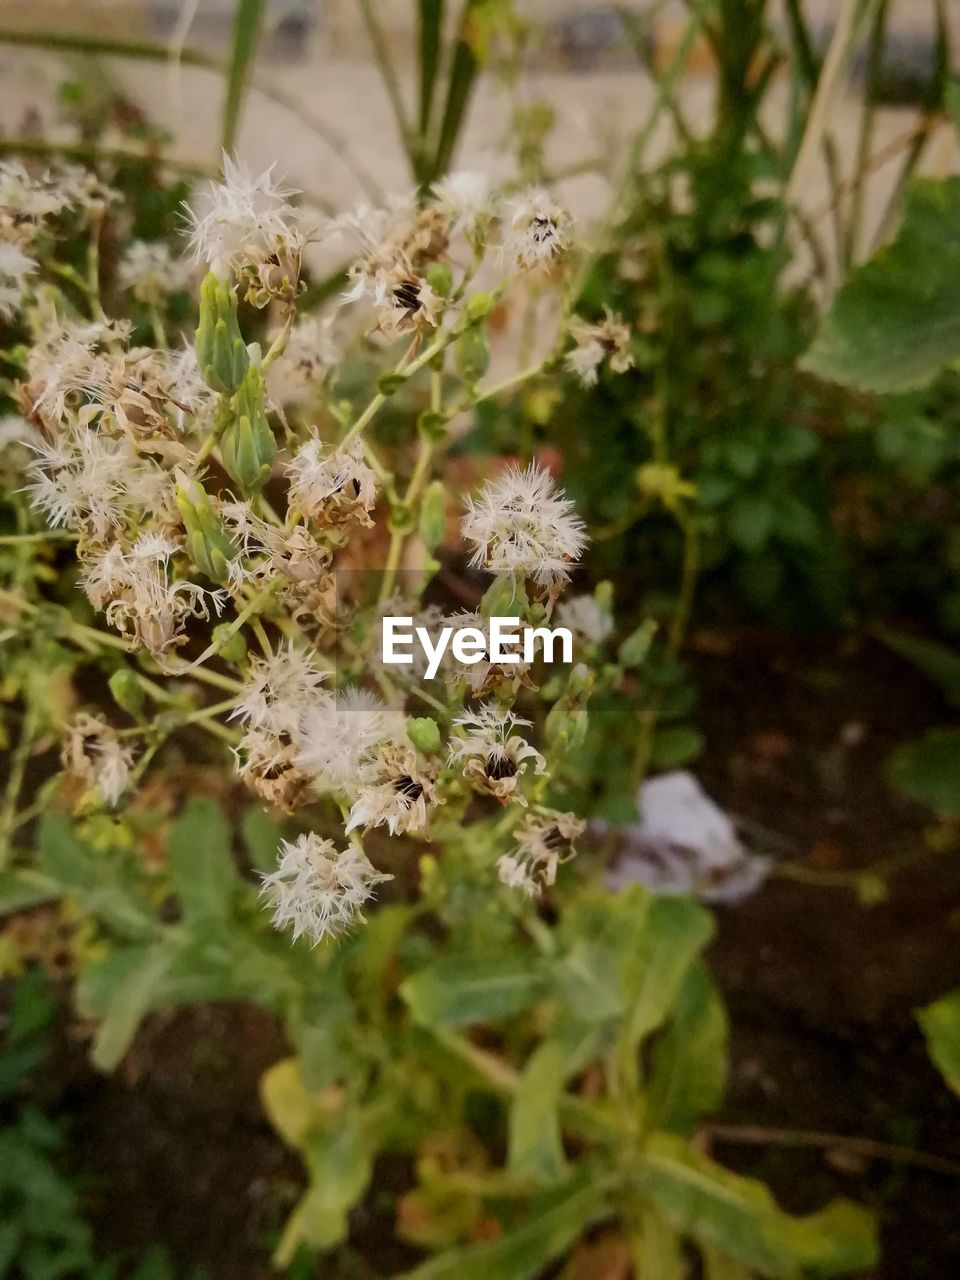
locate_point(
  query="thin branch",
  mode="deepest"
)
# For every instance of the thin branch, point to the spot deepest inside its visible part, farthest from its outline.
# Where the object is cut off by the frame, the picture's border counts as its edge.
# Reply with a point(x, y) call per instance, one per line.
point(755, 1135)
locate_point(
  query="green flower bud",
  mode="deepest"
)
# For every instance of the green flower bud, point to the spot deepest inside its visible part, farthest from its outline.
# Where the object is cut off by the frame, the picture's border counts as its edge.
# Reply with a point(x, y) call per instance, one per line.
point(401, 519)
point(209, 545)
point(479, 306)
point(247, 445)
point(636, 647)
point(126, 691)
point(233, 648)
point(433, 515)
point(440, 278)
point(424, 733)
point(472, 353)
point(221, 355)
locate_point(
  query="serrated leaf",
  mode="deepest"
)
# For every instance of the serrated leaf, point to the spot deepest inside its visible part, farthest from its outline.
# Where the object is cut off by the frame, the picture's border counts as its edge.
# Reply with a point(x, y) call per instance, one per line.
point(689, 1068)
point(522, 1252)
point(739, 1217)
point(468, 989)
point(940, 1022)
point(896, 322)
point(201, 864)
point(928, 771)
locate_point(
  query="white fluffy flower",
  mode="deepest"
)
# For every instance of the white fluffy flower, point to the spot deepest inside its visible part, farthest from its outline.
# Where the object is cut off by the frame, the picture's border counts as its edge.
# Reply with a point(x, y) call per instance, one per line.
point(492, 751)
point(542, 844)
point(539, 229)
point(15, 270)
point(308, 361)
point(333, 486)
point(151, 271)
point(245, 223)
point(466, 196)
point(519, 523)
point(87, 482)
point(340, 735)
point(317, 889)
point(608, 339)
point(584, 617)
point(279, 689)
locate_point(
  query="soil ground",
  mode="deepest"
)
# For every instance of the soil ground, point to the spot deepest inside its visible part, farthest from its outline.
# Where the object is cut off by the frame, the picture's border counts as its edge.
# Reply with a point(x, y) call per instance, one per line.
point(821, 989)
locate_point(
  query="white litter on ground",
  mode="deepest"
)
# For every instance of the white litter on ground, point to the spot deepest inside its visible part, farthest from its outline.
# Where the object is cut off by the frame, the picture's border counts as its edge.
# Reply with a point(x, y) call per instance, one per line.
point(684, 843)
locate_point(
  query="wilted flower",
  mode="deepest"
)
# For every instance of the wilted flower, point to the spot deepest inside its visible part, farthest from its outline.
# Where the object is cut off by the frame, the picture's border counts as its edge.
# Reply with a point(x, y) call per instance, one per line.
point(467, 198)
point(493, 753)
point(608, 340)
point(308, 361)
point(340, 736)
point(584, 617)
point(333, 486)
point(94, 755)
point(519, 523)
point(152, 272)
point(140, 599)
point(247, 226)
point(278, 690)
point(542, 844)
point(15, 270)
point(318, 889)
point(539, 229)
point(397, 796)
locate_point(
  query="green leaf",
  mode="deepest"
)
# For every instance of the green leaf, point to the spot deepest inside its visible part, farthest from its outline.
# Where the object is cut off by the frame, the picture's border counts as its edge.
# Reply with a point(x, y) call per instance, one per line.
point(90, 878)
point(463, 74)
point(937, 661)
point(18, 891)
point(430, 14)
point(675, 746)
point(940, 1022)
point(929, 771)
point(261, 838)
point(246, 35)
point(119, 993)
point(689, 1070)
point(468, 989)
point(750, 521)
point(201, 864)
point(896, 322)
point(535, 1145)
point(738, 1216)
point(674, 932)
point(550, 1228)
point(718, 1267)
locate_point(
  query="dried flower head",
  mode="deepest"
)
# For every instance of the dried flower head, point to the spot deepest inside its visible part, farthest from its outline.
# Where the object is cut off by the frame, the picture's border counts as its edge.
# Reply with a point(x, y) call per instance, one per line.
point(308, 362)
point(16, 268)
point(467, 198)
point(542, 844)
point(152, 272)
point(492, 751)
point(141, 598)
point(317, 889)
point(340, 736)
point(245, 225)
point(397, 795)
point(609, 340)
point(279, 689)
point(584, 617)
point(95, 756)
point(332, 486)
point(520, 523)
point(538, 231)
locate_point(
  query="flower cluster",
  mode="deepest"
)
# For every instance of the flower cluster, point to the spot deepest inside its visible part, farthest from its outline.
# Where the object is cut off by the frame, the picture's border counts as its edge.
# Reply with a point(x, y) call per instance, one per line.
point(213, 490)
